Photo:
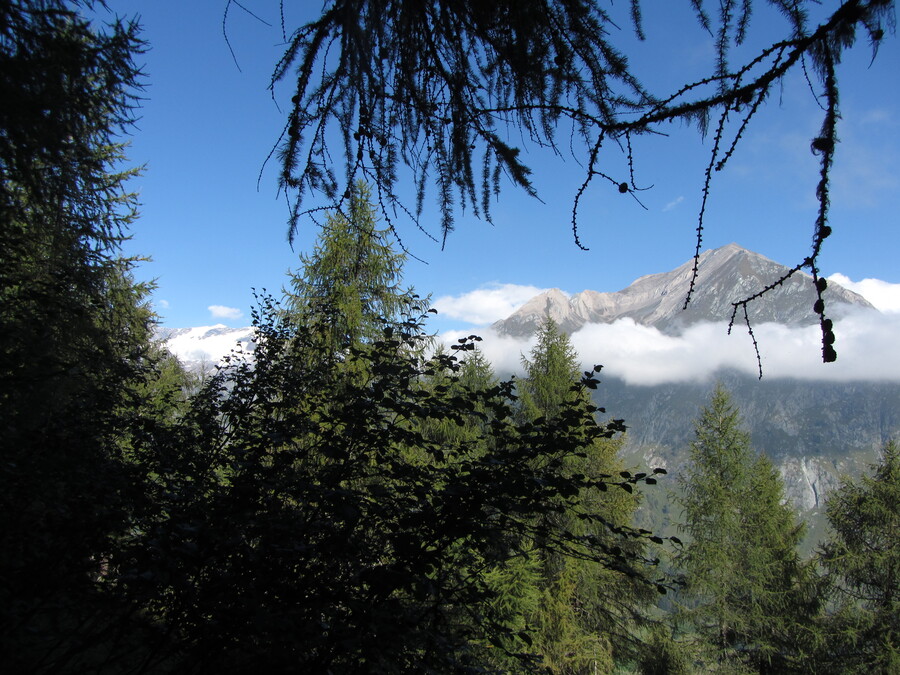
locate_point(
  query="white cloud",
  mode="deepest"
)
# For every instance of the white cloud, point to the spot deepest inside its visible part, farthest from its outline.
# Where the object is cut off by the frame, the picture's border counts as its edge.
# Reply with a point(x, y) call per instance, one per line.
point(884, 295)
point(672, 204)
point(223, 312)
point(866, 347)
point(163, 304)
point(487, 304)
point(504, 353)
point(878, 116)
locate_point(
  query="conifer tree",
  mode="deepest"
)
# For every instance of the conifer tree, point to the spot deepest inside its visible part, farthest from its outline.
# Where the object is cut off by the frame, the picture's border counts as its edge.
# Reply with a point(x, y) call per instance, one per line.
point(862, 561)
point(472, 373)
point(746, 592)
point(586, 613)
point(75, 351)
point(351, 283)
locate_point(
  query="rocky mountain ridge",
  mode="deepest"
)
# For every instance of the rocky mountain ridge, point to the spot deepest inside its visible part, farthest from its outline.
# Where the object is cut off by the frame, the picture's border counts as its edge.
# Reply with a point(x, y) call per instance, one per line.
point(815, 432)
point(725, 275)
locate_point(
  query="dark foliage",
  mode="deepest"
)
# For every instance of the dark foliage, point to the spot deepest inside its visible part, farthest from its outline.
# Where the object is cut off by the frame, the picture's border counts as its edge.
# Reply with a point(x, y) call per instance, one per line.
point(305, 522)
point(74, 334)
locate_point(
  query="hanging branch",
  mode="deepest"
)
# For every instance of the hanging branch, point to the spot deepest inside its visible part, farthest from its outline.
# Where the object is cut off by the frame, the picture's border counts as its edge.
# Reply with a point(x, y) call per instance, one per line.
point(442, 87)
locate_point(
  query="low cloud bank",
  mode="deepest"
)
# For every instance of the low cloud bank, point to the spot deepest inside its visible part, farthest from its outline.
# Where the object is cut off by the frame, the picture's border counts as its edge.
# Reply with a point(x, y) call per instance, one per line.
point(883, 294)
point(486, 304)
point(866, 345)
point(867, 341)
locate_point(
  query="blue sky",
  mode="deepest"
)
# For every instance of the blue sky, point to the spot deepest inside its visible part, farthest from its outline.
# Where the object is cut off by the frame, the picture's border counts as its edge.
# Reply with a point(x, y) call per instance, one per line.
point(213, 232)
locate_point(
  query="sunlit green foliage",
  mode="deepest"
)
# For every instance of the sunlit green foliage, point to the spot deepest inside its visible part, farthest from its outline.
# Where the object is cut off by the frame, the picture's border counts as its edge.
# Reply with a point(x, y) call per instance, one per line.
point(746, 594)
point(351, 282)
point(586, 614)
point(862, 560)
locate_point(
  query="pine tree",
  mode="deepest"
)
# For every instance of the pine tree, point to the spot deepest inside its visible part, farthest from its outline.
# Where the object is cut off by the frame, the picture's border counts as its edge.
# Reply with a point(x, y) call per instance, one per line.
point(351, 283)
point(471, 373)
point(75, 349)
point(746, 592)
point(586, 613)
point(862, 561)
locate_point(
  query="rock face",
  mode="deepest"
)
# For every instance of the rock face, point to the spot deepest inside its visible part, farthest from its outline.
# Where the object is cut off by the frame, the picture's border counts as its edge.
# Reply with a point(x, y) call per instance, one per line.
point(809, 480)
point(725, 275)
point(814, 432)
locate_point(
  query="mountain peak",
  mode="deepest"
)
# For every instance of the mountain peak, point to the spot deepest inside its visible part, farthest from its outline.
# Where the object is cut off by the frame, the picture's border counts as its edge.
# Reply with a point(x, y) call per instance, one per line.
point(729, 250)
point(724, 275)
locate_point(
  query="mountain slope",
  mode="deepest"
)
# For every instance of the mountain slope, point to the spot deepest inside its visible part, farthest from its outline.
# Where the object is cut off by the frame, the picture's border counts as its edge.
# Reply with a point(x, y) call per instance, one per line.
point(202, 347)
point(725, 275)
point(814, 432)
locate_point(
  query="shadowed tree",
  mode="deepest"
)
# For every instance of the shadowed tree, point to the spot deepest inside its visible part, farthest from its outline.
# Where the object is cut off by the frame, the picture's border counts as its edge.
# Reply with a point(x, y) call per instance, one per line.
point(345, 512)
point(76, 361)
point(310, 518)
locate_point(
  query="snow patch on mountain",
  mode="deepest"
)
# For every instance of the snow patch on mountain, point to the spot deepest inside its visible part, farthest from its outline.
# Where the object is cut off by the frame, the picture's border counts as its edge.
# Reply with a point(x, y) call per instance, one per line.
point(204, 346)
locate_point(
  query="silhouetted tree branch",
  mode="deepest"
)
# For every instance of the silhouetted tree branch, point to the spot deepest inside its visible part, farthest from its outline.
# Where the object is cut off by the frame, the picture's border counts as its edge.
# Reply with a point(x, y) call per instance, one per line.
point(440, 87)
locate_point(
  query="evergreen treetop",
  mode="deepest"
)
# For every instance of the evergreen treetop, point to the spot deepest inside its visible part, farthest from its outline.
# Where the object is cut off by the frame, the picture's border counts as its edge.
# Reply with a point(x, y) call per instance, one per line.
point(746, 591)
point(351, 282)
point(588, 617)
point(549, 373)
point(862, 561)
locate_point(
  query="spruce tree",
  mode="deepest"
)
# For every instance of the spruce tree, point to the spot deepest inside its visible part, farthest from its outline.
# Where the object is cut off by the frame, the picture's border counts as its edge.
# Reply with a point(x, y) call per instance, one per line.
point(586, 613)
point(745, 588)
point(75, 352)
point(862, 561)
point(351, 282)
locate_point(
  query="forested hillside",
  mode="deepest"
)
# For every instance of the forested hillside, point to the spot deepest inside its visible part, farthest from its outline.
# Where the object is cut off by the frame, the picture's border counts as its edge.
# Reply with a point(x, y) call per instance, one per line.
point(815, 432)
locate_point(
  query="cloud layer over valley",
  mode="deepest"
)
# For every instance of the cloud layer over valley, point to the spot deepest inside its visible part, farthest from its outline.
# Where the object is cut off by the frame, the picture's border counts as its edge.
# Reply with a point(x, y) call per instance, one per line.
point(487, 304)
point(867, 343)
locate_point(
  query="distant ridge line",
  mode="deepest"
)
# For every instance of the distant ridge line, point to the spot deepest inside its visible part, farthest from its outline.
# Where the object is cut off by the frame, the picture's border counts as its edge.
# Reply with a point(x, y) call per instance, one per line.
point(725, 275)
